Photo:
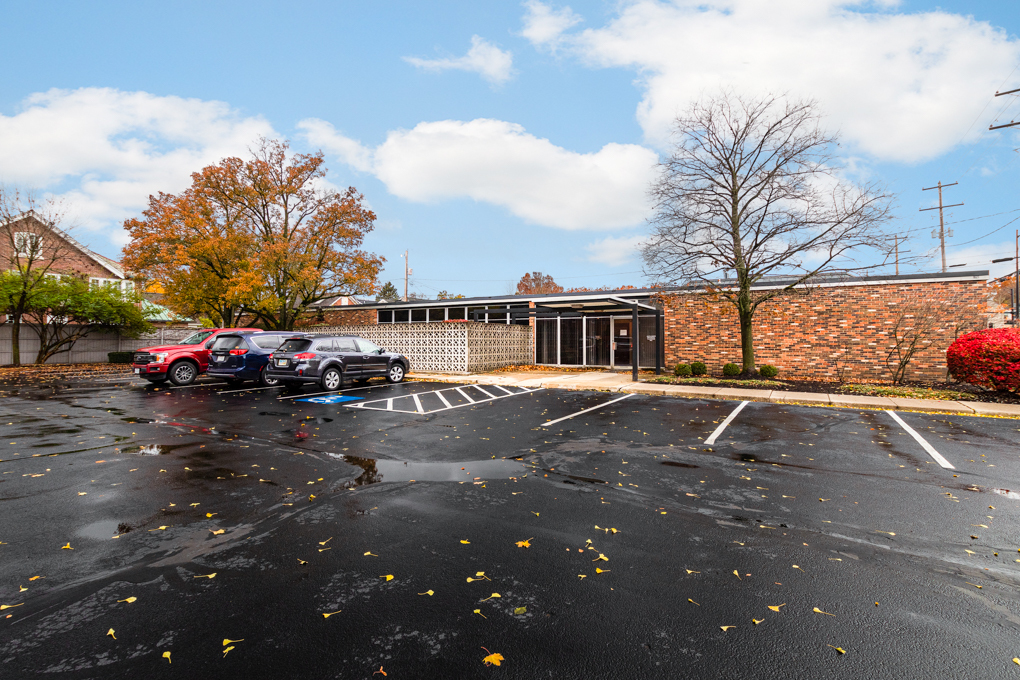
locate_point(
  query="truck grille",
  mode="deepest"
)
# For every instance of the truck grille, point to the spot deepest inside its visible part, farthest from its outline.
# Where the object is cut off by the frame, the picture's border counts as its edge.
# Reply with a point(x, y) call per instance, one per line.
point(143, 358)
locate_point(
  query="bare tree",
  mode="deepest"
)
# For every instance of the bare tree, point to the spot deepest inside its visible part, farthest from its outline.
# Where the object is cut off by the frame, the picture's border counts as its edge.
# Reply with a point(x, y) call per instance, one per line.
point(32, 247)
point(922, 324)
point(752, 186)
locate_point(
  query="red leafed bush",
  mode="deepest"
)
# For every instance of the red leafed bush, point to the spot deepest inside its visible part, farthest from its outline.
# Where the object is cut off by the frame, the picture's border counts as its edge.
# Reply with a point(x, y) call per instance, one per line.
point(990, 358)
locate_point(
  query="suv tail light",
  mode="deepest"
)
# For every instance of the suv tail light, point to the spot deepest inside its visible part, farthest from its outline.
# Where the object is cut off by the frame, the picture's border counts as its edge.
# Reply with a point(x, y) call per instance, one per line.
point(304, 355)
point(238, 352)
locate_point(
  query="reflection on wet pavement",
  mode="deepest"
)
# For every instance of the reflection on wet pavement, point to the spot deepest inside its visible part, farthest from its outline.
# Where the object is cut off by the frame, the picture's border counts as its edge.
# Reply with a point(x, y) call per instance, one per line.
point(377, 470)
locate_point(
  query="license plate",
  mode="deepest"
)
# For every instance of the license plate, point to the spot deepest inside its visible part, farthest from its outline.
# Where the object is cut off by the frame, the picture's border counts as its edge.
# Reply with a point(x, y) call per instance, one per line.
point(138, 370)
point(219, 358)
point(282, 362)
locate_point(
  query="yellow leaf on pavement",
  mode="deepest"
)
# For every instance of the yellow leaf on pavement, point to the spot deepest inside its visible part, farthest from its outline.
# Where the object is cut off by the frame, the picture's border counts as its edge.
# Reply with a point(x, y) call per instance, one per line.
point(388, 577)
point(493, 659)
point(601, 557)
point(526, 543)
point(520, 610)
point(227, 650)
point(466, 542)
point(230, 642)
point(816, 610)
point(217, 532)
point(490, 597)
point(370, 554)
point(166, 655)
point(67, 547)
point(602, 571)
point(129, 600)
point(757, 621)
point(692, 601)
point(301, 561)
point(775, 607)
point(479, 612)
point(737, 574)
point(212, 575)
point(582, 576)
point(691, 571)
point(725, 628)
point(534, 513)
point(110, 633)
point(326, 541)
point(210, 514)
point(326, 616)
point(838, 649)
point(9, 606)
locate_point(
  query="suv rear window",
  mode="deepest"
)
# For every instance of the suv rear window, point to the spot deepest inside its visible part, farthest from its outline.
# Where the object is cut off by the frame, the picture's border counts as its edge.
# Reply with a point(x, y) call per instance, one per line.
point(267, 341)
point(228, 342)
point(294, 345)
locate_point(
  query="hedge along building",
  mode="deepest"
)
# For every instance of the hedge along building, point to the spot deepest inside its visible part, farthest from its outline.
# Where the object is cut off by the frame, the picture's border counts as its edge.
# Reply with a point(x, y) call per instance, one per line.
point(848, 328)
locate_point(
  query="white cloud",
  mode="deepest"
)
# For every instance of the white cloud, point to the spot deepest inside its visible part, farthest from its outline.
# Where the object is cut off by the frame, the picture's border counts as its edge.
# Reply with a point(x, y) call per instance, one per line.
point(500, 163)
point(615, 250)
point(544, 26)
point(901, 87)
point(484, 58)
point(975, 257)
point(108, 150)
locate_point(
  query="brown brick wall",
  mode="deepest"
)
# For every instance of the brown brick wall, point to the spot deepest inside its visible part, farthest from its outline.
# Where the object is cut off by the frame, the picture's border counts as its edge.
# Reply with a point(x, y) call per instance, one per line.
point(339, 316)
point(813, 334)
point(68, 258)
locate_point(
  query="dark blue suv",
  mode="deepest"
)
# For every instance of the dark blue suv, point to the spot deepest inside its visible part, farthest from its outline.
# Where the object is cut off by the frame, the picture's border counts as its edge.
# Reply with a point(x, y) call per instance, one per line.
point(244, 355)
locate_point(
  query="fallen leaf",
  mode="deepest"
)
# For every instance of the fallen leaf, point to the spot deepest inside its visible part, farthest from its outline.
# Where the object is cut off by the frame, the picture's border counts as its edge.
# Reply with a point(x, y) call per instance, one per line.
point(380, 671)
point(534, 513)
point(775, 607)
point(166, 655)
point(838, 649)
point(227, 650)
point(34, 578)
point(230, 642)
point(326, 541)
point(80, 493)
point(796, 567)
point(1015, 660)
point(110, 633)
point(525, 543)
point(129, 600)
point(692, 601)
point(212, 575)
point(582, 576)
point(737, 574)
point(973, 584)
point(301, 561)
point(326, 616)
point(22, 589)
point(324, 549)
point(970, 551)
point(162, 528)
point(430, 593)
point(601, 557)
point(492, 659)
point(816, 610)
point(725, 628)
point(824, 499)
point(370, 554)
point(466, 542)
point(210, 514)
point(890, 533)
point(691, 571)
point(490, 597)
point(757, 621)
point(9, 606)
point(479, 612)
point(217, 532)
point(388, 577)
point(67, 547)
point(602, 571)
point(520, 610)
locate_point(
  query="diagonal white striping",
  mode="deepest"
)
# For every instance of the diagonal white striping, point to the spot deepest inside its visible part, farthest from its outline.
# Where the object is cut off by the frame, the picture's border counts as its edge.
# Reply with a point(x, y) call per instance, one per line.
point(572, 415)
point(370, 405)
point(722, 426)
point(439, 393)
point(417, 403)
point(924, 445)
point(464, 394)
point(490, 396)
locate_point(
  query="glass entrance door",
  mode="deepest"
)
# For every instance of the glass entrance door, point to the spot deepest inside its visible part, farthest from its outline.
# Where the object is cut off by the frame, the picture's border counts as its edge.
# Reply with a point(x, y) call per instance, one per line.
point(623, 341)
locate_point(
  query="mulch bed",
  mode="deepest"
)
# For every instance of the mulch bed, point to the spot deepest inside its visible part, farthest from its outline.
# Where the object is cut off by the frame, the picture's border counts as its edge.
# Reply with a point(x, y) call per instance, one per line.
point(33, 374)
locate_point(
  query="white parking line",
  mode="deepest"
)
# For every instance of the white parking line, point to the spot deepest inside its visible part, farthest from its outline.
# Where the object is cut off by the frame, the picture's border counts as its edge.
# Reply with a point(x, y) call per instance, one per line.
point(920, 440)
point(722, 426)
point(181, 387)
point(553, 422)
point(464, 394)
point(490, 396)
point(420, 410)
point(316, 394)
point(443, 399)
point(417, 403)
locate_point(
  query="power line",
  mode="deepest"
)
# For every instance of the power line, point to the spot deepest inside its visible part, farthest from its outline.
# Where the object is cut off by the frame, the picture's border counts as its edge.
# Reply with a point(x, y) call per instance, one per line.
point(989, 233)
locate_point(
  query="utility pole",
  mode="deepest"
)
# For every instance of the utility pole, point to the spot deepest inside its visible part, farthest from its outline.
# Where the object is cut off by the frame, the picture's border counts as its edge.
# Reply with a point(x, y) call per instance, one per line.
point(408, 271)
point(1010, 123)
point(1016, 282)
point(942, 221)
point(896, 247)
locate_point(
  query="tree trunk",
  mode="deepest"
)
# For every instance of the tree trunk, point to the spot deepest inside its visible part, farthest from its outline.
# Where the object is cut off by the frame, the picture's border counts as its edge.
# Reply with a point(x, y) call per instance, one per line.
point(16, 341)
point(746, 343)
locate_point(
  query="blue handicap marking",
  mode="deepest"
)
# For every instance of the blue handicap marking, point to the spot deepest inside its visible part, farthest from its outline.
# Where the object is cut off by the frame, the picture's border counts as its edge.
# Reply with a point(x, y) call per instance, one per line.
point(331, 399)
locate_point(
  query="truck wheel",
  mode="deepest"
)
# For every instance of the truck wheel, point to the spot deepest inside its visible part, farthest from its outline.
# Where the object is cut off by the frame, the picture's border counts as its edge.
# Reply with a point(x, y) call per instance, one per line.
point(331, 379)
point(183, 373)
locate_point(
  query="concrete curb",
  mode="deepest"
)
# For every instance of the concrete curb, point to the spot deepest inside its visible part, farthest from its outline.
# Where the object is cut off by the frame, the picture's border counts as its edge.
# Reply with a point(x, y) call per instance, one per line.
point(618, 383)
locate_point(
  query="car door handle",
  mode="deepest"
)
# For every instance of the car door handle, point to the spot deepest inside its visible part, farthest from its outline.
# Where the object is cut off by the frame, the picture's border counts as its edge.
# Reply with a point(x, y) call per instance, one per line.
point(365, 358)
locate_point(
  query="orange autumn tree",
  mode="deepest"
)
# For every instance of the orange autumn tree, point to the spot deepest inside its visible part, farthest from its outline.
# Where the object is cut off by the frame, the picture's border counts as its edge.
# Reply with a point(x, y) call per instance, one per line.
point(260, 237)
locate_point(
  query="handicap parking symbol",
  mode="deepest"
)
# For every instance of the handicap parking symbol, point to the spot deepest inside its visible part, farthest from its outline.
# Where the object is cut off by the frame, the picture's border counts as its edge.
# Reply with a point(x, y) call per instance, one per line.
point(331, 399)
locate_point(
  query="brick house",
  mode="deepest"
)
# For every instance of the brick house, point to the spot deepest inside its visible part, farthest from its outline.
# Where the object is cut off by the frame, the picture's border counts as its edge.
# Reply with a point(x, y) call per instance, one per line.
point(27, 237)
point(848, 328)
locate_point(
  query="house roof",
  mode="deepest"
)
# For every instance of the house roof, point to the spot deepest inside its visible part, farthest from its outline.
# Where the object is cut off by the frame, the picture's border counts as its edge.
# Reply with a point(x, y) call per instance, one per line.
point(106, 263)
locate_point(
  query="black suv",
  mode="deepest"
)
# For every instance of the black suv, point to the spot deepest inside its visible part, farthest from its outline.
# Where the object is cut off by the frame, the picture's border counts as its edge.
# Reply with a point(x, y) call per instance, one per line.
point(329, 360)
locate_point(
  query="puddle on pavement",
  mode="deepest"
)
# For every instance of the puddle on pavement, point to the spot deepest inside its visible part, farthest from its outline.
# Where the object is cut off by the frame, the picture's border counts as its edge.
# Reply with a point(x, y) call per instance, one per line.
point(377, 470)
point(672, 463)
point(152, 449)
point(101, 531)
point(1007, 493)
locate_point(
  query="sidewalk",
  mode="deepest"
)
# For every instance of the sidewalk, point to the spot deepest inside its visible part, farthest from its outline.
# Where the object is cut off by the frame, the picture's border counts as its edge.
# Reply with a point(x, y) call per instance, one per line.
point(621, 382)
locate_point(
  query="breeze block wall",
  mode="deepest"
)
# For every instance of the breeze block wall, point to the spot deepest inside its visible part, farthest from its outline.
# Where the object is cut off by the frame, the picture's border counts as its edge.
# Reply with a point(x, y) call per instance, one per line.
point(463, 347)
point(828, 330)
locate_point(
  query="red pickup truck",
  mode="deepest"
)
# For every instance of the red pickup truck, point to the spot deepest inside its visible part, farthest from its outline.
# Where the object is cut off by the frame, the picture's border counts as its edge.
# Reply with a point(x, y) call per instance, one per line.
point(182, 363)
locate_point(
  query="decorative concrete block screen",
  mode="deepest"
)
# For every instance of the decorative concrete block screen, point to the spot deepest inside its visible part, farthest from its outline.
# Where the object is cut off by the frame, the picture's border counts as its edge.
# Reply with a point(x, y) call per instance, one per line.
point(447, 347)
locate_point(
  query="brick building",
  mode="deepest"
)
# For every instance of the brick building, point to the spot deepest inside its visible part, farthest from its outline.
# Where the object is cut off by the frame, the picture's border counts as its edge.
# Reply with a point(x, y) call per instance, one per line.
point(854, 327)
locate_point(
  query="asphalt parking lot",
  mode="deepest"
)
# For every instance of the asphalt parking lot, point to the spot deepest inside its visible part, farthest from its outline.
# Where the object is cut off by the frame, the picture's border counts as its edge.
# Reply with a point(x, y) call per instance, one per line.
point(416, 529)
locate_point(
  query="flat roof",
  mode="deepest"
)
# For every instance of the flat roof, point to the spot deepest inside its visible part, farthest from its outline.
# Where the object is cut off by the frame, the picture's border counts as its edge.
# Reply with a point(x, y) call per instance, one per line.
point(564, 299)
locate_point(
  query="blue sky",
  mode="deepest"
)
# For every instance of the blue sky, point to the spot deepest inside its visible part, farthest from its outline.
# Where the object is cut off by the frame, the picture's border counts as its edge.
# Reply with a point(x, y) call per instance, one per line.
point(497, 139)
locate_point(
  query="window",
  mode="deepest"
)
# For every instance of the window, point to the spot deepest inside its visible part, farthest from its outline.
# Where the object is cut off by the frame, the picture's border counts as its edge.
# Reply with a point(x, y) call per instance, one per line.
point(27, 244)
point(196, 338)
point(325, 346)
point(267, 341)
point(228, 342)
point(385, 316)
point(367, 347)
point(400, 316)
point(418, 315)
point(346, 345)
point(295, 345)
point(456, 313)
point(437, 314)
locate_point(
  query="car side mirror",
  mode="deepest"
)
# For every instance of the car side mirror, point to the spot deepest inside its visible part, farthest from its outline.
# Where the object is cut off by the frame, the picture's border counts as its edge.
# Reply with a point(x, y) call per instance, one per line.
point(380, 351)
point(209, 344)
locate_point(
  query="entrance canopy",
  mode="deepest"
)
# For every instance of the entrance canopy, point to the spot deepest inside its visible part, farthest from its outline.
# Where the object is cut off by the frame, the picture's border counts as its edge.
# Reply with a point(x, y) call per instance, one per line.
point(590, 331)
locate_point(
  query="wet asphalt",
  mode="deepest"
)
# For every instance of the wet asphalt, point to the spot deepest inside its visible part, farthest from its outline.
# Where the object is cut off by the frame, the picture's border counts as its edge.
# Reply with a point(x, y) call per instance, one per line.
point(619, 544)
